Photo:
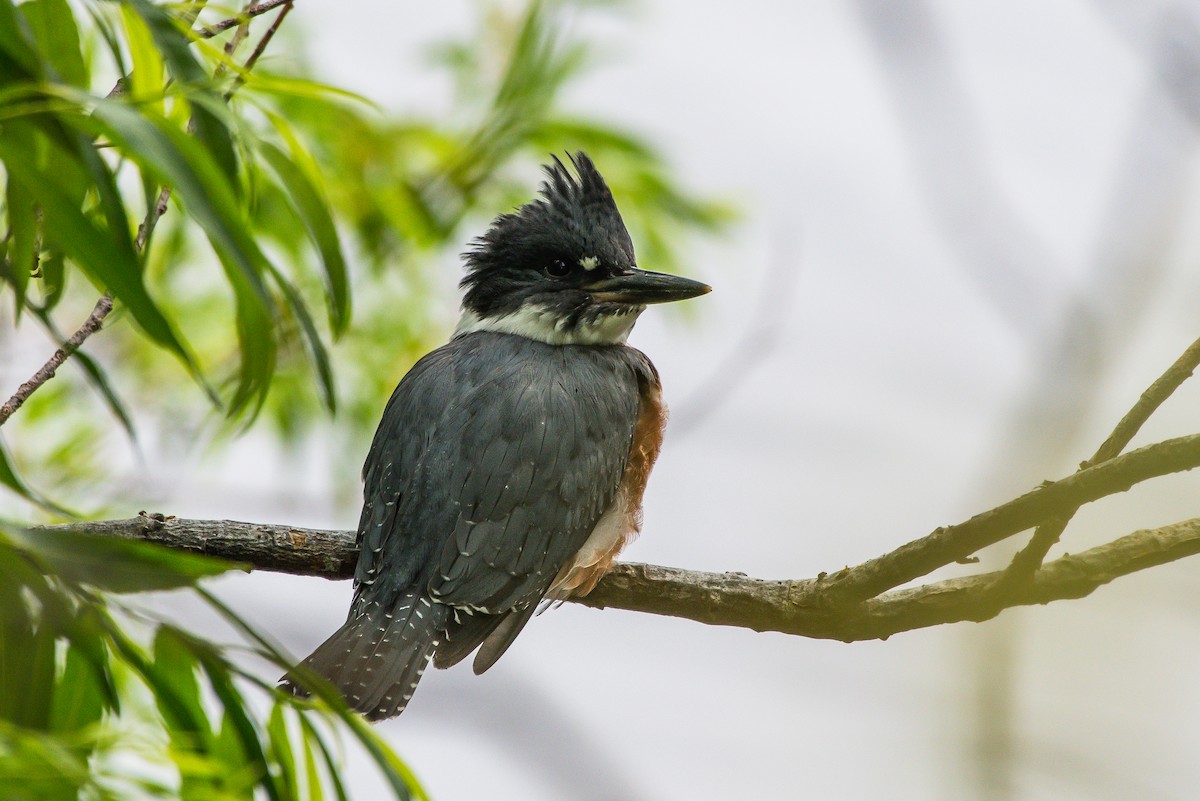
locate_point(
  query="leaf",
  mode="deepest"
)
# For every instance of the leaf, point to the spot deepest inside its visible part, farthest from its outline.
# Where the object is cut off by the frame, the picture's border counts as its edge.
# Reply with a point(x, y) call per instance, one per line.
point(57, 35)
point(281, 750)
point(313, 210)
point(99, 379)
point(174, 44)
point(311, 735)
point(145, 82)
point(107, 253)
point(22, 240)
point(18, 58)
point(81, 696)
point(247, 734)
point(11, 479)
point(95, 374)
point(115, 565)
point(181, 163)
point(316, 348)
point(312, 772)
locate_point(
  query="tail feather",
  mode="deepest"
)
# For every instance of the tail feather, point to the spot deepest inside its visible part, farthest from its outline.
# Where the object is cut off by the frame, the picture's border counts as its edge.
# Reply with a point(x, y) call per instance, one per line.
point(376, 658)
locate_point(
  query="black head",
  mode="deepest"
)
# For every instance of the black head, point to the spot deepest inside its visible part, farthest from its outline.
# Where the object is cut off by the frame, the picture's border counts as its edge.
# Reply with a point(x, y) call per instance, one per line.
point(561, 268)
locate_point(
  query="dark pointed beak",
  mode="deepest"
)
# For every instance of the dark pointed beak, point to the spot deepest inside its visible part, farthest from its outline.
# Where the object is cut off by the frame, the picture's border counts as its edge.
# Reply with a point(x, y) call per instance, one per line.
point(640, 287)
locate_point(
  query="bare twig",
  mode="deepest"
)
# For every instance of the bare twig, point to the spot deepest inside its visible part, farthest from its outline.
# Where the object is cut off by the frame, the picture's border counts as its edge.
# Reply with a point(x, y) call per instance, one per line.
point(955, 543)
point(805, 608)
point(1026, 562)
point(90, 326)
point(258, 50)
point(250, 12)
point(1154, 396)
point(152, 217)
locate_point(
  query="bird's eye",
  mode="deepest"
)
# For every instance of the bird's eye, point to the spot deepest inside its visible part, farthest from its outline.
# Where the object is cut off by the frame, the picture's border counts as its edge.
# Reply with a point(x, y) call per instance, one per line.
point(558, 269)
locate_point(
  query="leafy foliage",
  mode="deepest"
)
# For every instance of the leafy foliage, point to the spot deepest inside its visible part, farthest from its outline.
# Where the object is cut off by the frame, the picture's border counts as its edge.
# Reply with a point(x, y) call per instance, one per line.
point(256, 234)
point(269, 243)
point(90, 710)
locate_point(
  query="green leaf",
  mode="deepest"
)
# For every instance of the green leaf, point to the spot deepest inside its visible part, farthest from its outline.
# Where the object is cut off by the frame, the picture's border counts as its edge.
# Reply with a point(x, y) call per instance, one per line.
point(183, 164)
point(145, 84)
point(172, 39)
point(106, 253)
point(281, 750)
point(313, 210)
point(57, 35)
point(95, 374)
point(243, 726)
point(312, 772)
point(176, 666)
point(115, 565)
point(22, 241)
point(18, 57)
point(311, 736)
point(316, 348)
point(99, 380)
point(11, 479)
point(81, 696)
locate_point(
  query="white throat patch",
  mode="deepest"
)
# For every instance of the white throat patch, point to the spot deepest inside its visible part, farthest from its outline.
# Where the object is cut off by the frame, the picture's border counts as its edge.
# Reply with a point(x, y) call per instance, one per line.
point(537, 323)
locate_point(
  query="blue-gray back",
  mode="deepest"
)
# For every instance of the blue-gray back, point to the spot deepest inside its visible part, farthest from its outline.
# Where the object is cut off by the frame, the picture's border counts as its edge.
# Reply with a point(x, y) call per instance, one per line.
point(494, 459)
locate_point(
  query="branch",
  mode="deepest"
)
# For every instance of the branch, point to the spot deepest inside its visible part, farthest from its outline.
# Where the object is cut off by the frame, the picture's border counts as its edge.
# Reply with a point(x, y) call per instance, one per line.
point(249, 13)
point(956, 543)
point(805, 607)
point(1026, 562)
point(90, 326)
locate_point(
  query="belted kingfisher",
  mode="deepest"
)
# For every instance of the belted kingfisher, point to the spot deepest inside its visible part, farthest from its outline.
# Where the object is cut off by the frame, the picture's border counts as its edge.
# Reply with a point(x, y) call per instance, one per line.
point(509, 466)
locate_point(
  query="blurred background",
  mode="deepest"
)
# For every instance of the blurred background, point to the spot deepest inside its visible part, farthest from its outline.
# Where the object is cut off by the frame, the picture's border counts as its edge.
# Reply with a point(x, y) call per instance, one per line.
point(950, 244)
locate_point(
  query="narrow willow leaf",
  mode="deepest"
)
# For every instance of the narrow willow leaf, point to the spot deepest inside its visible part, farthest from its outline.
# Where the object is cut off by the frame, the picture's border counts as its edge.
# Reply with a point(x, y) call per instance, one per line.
point(99, 379)
point(18, 57)
point(10, 478)
point(176, 666)
point(281, 751)
point(22, 240)
point(247, 733)
point(313, 210)
point(35, 660)
point(312, 773)
point(115, 565)
point(81, 696)
point(107, 255)
point(312, 337)
point(94, 373)
point(57, 35)
point(146, 74)
point(183, 164)
point(172, 39)
point(312, 736)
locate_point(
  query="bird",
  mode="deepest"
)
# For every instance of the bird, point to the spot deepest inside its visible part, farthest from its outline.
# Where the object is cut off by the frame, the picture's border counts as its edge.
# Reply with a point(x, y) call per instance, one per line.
point(508, 469)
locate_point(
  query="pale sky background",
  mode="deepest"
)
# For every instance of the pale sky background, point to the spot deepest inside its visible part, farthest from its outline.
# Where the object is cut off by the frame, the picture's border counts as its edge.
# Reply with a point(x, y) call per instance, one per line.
point(969, 234)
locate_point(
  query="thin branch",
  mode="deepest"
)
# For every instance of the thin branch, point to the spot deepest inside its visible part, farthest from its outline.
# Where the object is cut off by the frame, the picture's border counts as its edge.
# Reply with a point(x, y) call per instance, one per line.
point(152, 217)
point(258, 50)
point(955, 543)
point(1154, 396)
point(805, 607)
point(249, 13)
point(1026, 562)
point(90, 326)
